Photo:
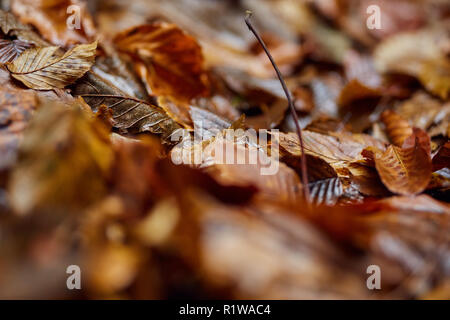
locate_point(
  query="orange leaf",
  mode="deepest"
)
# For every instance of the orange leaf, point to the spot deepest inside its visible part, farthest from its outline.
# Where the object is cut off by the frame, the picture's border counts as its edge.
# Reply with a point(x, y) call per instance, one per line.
point(442, 158)
point(398, 129)
point(406, 170)
point(171, 62)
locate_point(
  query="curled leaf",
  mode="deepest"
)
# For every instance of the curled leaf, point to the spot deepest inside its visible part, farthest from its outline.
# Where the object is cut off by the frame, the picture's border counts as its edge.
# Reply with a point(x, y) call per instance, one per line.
point(45, 69)
point(130, 114)
point(171, 62)
point(11, 49)
point(398, 129)
point(406, 170)
point(418, 54)
point(326, 191)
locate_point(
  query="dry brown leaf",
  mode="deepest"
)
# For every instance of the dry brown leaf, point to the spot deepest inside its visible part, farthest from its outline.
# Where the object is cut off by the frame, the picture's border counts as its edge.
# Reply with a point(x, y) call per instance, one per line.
point(426, 113)
point(327, 191)
point(418, 54)
point(337, 149)
point(11, 27)
point(111, 84)
point(355, 90)
point(11, 49)
point(16, 107)
point(49, 70)
point(397, 128)
point(442, 158)
point(83, 156)
point(406, 170)
point(171, 61)
point(50, 18)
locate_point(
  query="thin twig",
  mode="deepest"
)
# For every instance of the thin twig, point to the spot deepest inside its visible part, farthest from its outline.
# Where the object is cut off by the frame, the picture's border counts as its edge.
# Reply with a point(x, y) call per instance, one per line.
point(291, 106)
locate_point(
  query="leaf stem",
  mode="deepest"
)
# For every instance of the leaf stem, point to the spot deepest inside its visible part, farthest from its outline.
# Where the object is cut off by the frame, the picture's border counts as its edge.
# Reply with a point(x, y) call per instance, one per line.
point(291, 106)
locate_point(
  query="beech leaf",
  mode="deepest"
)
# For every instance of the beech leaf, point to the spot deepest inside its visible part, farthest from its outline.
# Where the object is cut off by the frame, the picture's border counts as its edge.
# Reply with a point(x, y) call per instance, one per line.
point(406, 170)
point(11, 49)
point(45, 69)
point(171, 61)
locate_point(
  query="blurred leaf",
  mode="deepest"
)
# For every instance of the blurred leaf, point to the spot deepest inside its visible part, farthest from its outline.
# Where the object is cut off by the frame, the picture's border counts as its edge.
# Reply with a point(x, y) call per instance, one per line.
point(50, 18)
point(12, 27)
point(16, 108)
point(442, 158)
point(397, 128)
point(169, 60)
point(326, 191)
point(62, 145)
point(418, 54)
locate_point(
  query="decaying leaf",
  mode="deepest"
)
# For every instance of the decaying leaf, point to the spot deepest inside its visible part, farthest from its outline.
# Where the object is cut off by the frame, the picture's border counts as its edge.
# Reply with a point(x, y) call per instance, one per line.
point(130, 113)
point(62, 144)
point(16, 108)
point(49, 70)
point(397, 128)
point(326, 191)
point(11, 27)
point(155, 182)
point(442, 158)
point(11, 49)
point(171, 61)
point(418, 54)
point(406, 170)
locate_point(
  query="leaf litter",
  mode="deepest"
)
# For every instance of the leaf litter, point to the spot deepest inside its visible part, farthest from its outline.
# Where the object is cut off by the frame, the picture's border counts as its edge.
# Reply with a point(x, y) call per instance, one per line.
point(94, 122)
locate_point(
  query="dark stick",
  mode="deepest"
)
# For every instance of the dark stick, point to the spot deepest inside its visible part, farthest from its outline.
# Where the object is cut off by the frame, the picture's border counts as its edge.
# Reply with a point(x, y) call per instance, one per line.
point(291, 105)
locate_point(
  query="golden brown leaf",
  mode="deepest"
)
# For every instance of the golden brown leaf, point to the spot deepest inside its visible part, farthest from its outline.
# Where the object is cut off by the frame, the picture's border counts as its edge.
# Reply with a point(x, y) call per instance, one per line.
point(171, 61)
point(398, 129)
point(16, 107)
point(62, 144)
point(112, 85)
point(405, 170)
point(355, 90)
point(49, 70)
point(418, 54)
point(327, 191)
point(12, 27)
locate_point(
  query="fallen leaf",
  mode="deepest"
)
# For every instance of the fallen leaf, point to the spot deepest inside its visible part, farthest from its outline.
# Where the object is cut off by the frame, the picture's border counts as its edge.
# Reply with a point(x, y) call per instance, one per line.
point(171, 61)
point(12, 27)
point(62, 144)
point(397, 128)
point(355, 90)
point(50, 70)
point(11, 49)
point(426, 113)
point(326, 191)
point(51, 19)
point(16, 108)
point(406, 170)
point(130, 114)
point(442, 158)
point(418, 54)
